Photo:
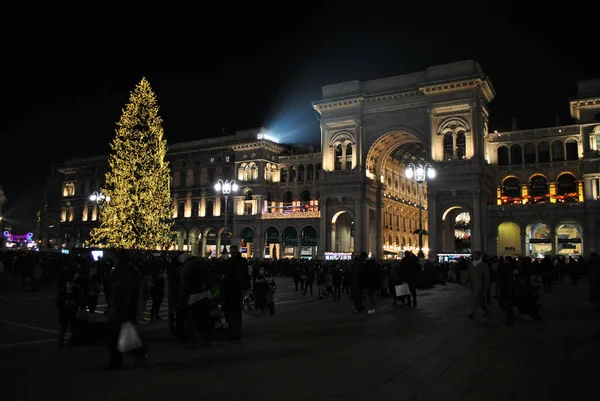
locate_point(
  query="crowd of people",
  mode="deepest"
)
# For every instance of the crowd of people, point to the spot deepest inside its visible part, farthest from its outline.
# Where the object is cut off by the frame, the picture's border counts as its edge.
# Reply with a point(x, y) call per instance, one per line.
point(206, 297)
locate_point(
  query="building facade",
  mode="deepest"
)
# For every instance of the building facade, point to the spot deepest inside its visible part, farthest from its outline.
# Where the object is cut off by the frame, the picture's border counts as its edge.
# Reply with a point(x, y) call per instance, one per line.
point(531, 192)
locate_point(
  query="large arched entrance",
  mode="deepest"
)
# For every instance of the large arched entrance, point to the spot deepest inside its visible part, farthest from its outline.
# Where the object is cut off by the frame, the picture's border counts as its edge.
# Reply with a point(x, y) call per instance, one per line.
point(509, 240)
point(538, 240)
point(569, 239)
point(247, 242)
point(342, 233)
point(371, 130)
point(272, 243)
point(210, 243)
point(456, 230)
point(289, 239)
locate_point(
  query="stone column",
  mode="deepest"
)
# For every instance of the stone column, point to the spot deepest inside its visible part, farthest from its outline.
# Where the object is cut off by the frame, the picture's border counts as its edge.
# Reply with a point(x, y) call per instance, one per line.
point(359, 225)
point(522, 237)
point(476, 232)
point(434, 236)
point(378, 254)
point(323, 233)
point(202, 209)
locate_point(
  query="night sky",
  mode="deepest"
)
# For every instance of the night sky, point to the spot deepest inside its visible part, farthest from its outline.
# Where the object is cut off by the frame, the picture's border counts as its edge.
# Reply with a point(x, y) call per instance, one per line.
point(66, 74)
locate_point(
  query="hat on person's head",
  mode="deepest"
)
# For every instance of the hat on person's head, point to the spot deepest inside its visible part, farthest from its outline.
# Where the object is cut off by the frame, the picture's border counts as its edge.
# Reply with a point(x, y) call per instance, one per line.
point(183, 257)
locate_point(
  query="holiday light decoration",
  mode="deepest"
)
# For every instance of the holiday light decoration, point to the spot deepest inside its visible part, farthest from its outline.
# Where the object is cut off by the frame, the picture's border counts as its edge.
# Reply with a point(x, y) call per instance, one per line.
point(135, 211)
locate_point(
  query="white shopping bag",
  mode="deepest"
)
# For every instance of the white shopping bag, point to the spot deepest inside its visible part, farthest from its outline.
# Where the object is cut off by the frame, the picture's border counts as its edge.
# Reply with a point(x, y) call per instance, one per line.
point(401, 290)
point(129, 339)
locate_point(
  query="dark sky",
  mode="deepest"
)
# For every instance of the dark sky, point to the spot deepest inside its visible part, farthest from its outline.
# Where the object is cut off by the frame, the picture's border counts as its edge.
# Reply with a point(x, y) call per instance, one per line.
point(66, 74)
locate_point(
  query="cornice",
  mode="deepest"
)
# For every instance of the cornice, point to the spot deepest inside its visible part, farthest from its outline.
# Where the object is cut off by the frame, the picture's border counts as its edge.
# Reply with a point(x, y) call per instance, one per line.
point(392, 97)
point(257, 145)
point(440, 111)
point(326, 105)
point(583, 104)
point(445, 87)
point(411, 105)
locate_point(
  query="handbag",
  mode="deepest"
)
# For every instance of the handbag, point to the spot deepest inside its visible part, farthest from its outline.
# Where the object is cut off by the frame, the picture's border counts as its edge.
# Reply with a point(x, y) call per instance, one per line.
point(129, 339)
point(401, 289)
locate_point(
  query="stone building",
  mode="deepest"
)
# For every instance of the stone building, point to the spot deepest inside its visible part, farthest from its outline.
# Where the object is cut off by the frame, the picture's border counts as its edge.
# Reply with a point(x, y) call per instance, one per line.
point(528, 192)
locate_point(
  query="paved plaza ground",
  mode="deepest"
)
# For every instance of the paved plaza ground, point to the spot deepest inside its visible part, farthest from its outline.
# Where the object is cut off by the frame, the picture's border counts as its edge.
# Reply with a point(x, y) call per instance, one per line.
point(317, 350)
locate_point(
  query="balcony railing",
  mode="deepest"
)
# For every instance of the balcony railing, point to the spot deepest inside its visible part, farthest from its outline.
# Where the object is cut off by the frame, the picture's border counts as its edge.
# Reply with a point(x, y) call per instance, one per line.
point(309, 214)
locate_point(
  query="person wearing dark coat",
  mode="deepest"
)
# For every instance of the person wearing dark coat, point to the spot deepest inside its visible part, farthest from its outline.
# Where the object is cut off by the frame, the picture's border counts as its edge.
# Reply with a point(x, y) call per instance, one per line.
point(123, 307)
point(196, 294)
point(68, 302)
point(235, 282)
point(157, 293)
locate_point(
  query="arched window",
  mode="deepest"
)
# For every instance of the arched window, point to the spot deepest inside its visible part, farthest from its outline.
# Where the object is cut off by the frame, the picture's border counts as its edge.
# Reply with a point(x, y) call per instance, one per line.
point(543, 152)
point(448, 146)
point(181, 210)
point(301, 174)
point(511, 188)
point(293, 174)
point(461, 145)
point(558, 151)
point(318, 171)
point(305, 196)
point(288, 198)
point(254, 172)
point(283, 174)
point(349, 156)
point(339, 153)
point(538, 189)
point(243, 172)
point(529, 153)
point(249, 195)
point(572, 150)
point(516, 155)
point(268, 173)
point(309, 172)
point(566, 184)
point(503, 156)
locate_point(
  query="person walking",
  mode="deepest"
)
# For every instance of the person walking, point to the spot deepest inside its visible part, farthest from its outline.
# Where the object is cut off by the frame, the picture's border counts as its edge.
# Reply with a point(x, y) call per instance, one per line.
point(123, 307)
point(479, 277)
point(358, 264)
point(157, 293)
point(235, 282)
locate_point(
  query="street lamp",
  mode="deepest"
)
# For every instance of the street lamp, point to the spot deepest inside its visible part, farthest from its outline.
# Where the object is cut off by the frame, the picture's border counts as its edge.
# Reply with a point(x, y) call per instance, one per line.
point(420, 173)
point(226, 188)
point(98, 197)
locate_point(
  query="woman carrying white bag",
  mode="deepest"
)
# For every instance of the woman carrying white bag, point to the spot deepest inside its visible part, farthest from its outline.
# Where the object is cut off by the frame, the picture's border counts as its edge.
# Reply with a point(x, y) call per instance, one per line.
point(122, 336)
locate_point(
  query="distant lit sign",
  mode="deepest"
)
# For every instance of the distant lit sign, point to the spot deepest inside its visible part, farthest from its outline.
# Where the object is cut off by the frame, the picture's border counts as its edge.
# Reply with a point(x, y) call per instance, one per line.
point(18, 238)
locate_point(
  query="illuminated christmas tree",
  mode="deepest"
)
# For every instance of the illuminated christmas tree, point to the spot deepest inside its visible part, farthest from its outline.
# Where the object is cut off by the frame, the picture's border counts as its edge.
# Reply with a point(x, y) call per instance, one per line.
point(135, 205)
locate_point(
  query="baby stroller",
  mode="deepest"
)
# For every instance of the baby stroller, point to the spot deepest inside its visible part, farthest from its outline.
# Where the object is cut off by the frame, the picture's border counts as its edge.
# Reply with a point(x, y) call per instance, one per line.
point(249, 300)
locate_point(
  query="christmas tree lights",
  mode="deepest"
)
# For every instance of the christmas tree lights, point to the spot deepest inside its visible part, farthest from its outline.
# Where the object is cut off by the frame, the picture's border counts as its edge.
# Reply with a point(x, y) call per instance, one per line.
point(136, 211)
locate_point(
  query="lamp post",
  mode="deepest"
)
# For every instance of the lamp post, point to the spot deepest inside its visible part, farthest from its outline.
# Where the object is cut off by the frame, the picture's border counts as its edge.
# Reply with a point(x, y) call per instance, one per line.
point(98, 197)
point(420, 173)
point(226, 188)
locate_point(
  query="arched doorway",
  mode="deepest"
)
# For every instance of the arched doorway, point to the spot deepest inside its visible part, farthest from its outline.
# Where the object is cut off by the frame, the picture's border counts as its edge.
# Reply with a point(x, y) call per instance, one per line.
point(569, 241)
point(538, 240)
point(456, 230)
point(308, 242)
point(290, 242)
point(247, 242)
point(210, 244)
point(342, 232)
point(509, 240)
point(272, 243)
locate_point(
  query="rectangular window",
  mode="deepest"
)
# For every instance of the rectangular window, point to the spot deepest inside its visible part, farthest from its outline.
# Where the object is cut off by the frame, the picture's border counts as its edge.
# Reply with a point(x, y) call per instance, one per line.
point(226, 159)
point(212, 159)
